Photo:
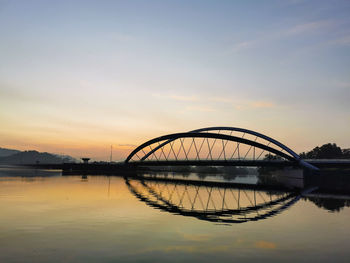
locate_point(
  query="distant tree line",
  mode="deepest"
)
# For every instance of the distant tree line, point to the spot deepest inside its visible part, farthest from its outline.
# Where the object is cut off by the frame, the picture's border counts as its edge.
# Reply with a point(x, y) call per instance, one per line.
point(327, 151)
point(35, 157)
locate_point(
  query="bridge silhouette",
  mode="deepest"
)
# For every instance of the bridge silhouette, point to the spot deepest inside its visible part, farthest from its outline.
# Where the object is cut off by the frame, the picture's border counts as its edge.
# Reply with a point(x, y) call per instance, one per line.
point(215, 146)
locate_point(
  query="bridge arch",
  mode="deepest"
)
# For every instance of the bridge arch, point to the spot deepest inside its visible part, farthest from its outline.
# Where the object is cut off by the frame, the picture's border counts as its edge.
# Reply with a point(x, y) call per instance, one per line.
point(254, 133)
point(154, 149)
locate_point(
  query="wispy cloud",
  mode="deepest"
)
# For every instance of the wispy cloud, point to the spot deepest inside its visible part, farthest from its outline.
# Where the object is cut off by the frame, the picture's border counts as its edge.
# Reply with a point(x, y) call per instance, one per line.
point(176, 97)
point(242, 45)
point(183, 98)
point(221, 99)
point(200, 108)
point(341, 41)
point(262, 104)
point(297, 30)
point(127, 145)
point(310, 27)
point(251, 105)
point(214, 103)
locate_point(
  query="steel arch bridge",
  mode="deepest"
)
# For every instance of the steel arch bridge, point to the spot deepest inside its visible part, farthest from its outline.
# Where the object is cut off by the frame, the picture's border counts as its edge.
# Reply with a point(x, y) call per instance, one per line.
point(215, 146)
point(214, 203)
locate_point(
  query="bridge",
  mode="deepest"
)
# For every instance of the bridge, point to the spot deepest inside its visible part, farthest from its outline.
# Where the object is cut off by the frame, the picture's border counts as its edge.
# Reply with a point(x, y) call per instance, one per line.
point(216, 146)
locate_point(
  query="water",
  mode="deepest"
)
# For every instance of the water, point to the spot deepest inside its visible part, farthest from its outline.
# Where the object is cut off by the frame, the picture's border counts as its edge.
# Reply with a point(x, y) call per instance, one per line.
point(46, 217)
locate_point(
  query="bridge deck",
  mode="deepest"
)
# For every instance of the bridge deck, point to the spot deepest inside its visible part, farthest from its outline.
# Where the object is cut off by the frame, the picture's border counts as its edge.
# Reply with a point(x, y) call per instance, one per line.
point(253, 163)
point(277, 163)
point(329, 163)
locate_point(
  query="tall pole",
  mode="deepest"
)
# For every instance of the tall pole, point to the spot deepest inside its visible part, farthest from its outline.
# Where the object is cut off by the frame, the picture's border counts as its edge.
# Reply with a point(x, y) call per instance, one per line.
point(110, 159)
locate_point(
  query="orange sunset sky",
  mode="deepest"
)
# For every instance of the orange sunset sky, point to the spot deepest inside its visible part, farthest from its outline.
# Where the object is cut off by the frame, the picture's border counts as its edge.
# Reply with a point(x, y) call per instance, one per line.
point(78, 77)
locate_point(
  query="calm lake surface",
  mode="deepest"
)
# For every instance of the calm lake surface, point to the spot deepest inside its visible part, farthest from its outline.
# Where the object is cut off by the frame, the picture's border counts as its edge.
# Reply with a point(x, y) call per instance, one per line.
point(46, 217)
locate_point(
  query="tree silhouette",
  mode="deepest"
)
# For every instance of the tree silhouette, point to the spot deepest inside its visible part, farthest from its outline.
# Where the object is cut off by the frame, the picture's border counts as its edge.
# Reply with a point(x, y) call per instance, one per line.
point(326, 151)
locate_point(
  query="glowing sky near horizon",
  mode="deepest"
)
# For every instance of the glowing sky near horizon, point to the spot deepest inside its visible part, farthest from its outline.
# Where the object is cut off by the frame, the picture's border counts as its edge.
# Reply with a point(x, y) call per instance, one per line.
point(79, 76)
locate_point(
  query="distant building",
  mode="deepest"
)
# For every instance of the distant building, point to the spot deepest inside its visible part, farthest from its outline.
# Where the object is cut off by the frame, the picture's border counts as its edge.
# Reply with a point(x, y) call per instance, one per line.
point(85, 160)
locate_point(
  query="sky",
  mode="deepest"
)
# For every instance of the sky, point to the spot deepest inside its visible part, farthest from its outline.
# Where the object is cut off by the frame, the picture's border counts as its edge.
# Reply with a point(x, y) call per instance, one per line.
point(79, 76)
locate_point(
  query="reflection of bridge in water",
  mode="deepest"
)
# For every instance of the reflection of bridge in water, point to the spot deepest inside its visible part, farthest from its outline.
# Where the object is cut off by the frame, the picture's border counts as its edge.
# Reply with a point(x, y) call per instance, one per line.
point(211, 202)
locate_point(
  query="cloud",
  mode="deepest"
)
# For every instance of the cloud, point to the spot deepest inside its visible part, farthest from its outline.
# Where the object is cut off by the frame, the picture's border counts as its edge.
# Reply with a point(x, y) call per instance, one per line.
point(309, 27)
point(262, 104)
point(319, 26)
point(200, 108)
point(241, 105)
point(221, 99)
point(127, 145)
point(342, 41)
point(207, 103)
point(176, 97)
point(242, 45)
point(211, 104)
point(183, 98)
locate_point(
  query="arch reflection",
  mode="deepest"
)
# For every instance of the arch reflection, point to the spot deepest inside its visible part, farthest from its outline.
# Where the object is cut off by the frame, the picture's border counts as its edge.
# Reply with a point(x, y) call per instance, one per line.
point(214, 203)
